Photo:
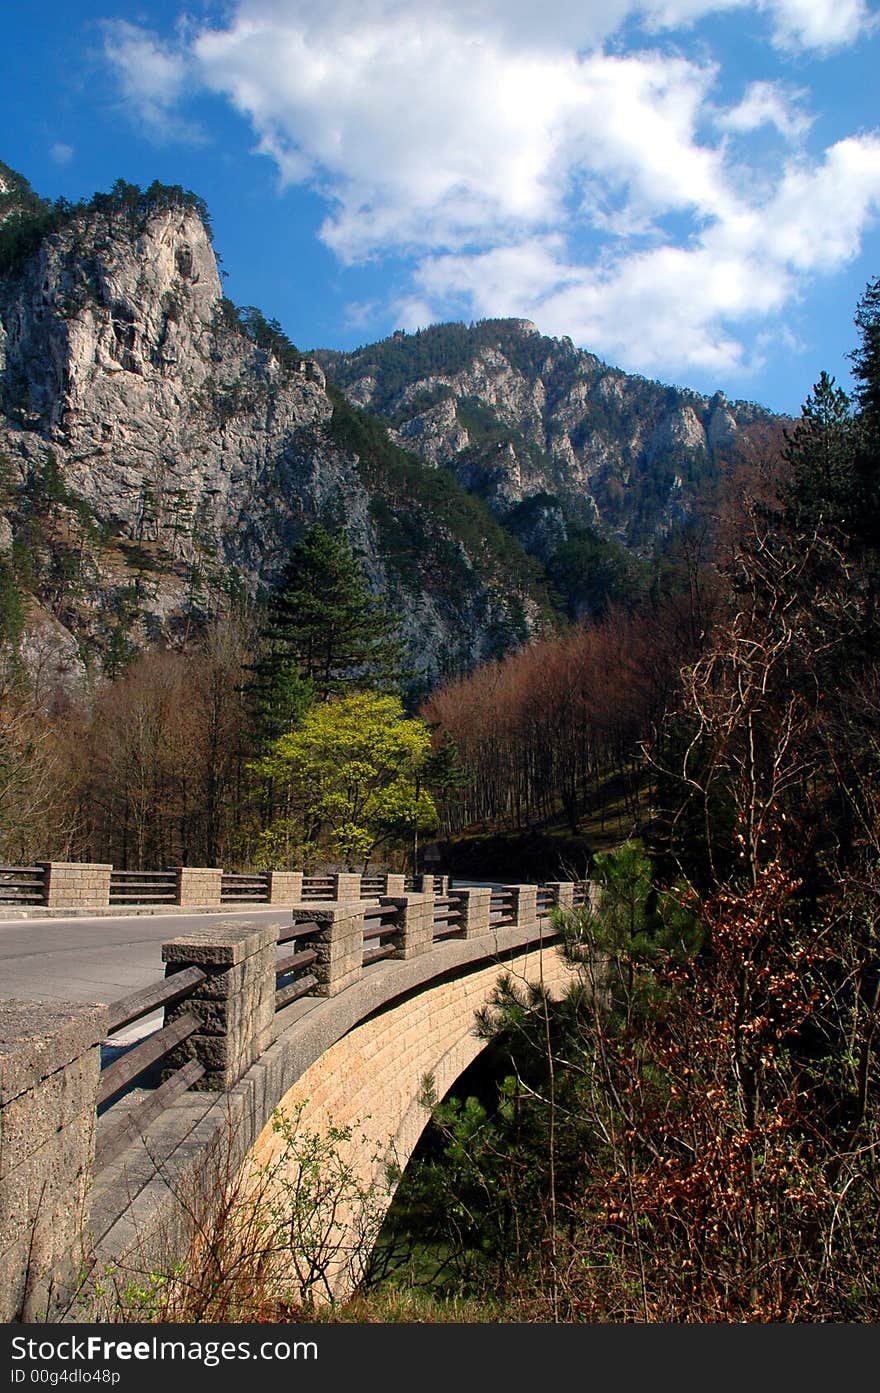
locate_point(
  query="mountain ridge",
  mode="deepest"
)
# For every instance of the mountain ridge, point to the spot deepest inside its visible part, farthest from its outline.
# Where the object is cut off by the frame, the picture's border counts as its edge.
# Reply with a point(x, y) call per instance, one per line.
point(162, 449)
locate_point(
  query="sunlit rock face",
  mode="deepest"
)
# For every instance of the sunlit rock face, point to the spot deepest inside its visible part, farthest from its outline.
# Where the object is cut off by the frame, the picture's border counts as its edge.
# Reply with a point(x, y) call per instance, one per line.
point(519, 416)
point(186, 455)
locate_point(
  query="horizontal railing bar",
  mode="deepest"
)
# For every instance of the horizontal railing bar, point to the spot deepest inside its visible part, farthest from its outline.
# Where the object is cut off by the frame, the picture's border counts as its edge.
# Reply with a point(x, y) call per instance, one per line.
point(448, 933)
point(304, 958)
point(162, 993)
point(134, 1123)
point(124, 1071)
point(375, 954)
point(22, 870)
point(119, 871)
point(284, 995)
point(450, 914)
point(380, 931)
point(145, 897)
point(298, 931)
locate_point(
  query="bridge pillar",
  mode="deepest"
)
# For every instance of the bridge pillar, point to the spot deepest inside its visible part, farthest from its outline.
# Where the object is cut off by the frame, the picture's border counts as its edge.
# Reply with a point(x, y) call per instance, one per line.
point(415, 921)
point(346, 886)
point(50, 1063)
point(395, 885)
point(199, 884)
point(234, 1006)
point(77, 884)
point(525, 905)
point(285, 887)
point(563, 893)
point(339, 942)
point(475, 904)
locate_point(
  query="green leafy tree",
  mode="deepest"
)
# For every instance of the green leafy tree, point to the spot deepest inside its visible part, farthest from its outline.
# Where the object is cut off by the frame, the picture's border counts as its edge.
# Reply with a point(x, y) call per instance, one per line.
point(350, 775)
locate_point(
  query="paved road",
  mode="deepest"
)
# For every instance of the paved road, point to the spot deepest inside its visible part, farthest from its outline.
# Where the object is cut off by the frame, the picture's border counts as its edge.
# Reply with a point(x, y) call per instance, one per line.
point(101, 959)
point(98, 959)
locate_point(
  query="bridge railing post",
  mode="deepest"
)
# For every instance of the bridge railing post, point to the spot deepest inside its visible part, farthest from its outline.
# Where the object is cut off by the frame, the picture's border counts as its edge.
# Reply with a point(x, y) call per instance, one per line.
point(414, 920)
point(346, 886)
point(199, 885)
point(563, 893)
point(395, 884)
point(50, 1062)
point(423, 883)
point(475, 905)
point(285, 887)
point(76, 884)
point(339, 941)
point(524, 903)
point(234, 1006)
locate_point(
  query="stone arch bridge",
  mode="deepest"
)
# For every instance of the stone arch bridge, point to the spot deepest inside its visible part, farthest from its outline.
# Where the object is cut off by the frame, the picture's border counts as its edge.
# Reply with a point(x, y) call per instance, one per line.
point(111, 1152)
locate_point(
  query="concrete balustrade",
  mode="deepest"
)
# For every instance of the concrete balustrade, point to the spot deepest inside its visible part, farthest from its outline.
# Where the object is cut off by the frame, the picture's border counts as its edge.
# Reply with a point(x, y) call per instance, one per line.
point(50, 1063)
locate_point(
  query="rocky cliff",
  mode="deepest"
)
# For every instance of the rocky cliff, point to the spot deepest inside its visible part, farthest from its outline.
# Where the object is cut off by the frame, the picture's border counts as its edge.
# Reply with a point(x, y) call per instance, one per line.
point(546, 434)
point(161, 448)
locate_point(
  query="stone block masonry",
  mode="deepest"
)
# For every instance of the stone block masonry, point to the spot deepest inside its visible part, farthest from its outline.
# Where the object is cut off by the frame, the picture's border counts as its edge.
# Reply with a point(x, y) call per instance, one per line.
point(475, 905)
point(234, 1006)
point(50, 1063)
point(414, 920)
point(339, 941)
point(285, 887)
point(77, 884)
point(199, 885)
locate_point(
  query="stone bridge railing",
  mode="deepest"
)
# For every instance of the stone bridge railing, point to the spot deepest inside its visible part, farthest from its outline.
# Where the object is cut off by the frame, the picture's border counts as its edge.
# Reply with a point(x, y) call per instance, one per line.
point(81, 886)
point(93, 1123)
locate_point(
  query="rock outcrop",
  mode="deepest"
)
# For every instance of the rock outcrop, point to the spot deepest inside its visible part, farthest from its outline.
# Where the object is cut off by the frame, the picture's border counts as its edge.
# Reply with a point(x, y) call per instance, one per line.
point(517, 415)
point(178, 447)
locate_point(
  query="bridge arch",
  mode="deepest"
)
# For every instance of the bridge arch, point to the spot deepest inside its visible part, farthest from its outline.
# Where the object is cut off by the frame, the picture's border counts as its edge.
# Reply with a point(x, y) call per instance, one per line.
point(369, 1082)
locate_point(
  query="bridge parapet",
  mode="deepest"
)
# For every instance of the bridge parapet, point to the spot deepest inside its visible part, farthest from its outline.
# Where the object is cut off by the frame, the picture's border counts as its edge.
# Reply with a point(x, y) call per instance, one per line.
point(49, 1073)
point(233, 995)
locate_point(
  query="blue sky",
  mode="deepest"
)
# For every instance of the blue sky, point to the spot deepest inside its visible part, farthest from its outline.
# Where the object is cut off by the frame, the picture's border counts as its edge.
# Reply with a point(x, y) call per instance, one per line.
point(688, 188)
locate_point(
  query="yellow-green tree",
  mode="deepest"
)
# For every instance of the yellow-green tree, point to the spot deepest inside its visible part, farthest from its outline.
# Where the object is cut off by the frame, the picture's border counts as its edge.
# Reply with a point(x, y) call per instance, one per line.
point(351, 774)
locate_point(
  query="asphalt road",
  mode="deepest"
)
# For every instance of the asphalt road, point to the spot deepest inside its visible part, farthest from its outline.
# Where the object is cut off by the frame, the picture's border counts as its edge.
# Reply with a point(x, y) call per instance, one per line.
point(101, 959)
point(98, 959)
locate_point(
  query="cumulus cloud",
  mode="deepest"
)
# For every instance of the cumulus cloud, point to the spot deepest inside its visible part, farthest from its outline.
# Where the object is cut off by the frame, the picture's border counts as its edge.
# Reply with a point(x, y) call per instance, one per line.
point(529, 161)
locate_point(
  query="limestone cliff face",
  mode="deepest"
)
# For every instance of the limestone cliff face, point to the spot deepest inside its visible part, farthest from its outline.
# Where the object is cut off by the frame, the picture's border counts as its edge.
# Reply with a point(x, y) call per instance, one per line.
point(187, 449)
point(517, 415)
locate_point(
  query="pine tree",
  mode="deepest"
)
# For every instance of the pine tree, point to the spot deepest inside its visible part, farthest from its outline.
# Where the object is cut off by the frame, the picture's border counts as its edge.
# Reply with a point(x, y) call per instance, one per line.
point(325, 634)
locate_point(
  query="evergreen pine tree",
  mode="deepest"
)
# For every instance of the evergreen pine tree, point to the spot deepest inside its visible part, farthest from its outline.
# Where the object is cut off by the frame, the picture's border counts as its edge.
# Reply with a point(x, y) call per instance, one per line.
point(325, 634)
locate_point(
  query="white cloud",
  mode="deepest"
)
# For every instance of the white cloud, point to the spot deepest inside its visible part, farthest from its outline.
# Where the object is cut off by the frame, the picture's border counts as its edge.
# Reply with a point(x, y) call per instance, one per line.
point(674, 307)
point(60, 152)
point(768, 104)
point(529, 167)
point(152, 77)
